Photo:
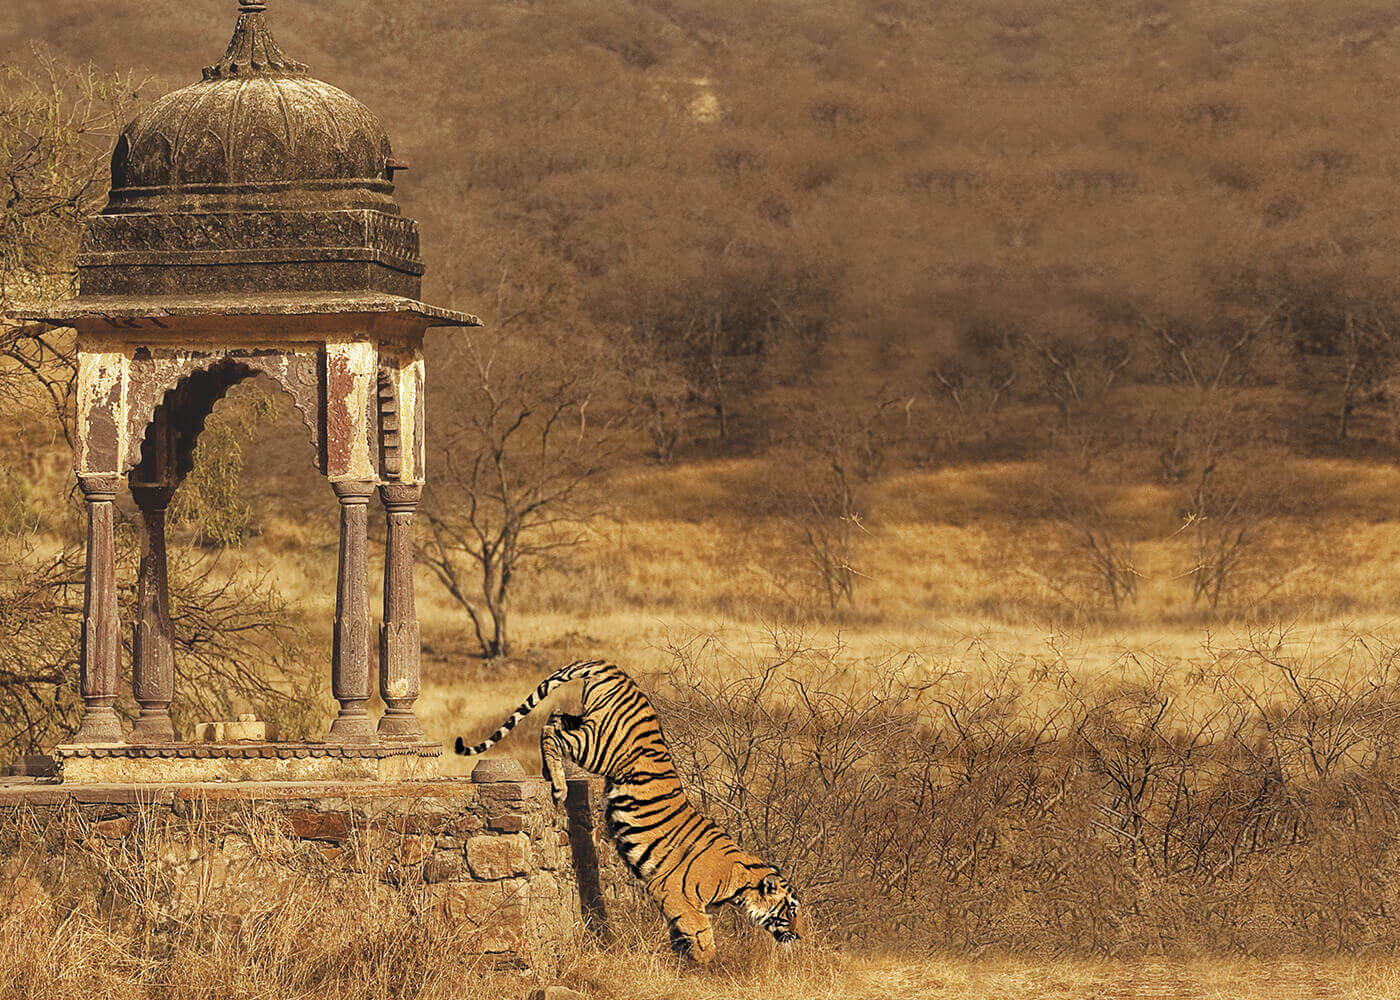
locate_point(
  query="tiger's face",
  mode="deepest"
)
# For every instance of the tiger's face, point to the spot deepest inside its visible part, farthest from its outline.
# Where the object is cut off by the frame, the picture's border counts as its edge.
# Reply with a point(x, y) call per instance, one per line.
point(771, 904)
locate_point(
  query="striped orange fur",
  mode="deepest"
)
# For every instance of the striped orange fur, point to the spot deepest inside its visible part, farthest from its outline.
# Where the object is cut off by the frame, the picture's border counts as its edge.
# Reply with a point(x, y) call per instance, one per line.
point(686, 862)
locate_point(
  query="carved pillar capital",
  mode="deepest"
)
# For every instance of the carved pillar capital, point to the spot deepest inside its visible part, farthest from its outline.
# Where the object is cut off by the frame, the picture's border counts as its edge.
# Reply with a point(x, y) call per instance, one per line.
point(152, 496)
point(400, 498)
point(353, 491)
point(99, 489)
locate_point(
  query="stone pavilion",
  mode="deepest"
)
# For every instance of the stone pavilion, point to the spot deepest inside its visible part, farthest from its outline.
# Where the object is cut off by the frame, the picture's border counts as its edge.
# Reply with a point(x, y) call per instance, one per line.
point(251, 229)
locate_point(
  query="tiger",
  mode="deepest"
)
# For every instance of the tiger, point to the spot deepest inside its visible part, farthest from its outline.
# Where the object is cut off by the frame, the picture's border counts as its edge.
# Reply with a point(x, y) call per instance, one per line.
point(685, 861)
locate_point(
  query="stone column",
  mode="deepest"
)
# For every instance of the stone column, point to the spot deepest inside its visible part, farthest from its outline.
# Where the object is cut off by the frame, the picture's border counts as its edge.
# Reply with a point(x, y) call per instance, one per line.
point(350, 646)
point(400, 641)
point(101, 632)
point(153, 665)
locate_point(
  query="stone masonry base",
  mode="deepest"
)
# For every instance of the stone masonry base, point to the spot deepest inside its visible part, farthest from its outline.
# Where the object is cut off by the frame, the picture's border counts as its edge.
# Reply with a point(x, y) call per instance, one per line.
point(513, 878)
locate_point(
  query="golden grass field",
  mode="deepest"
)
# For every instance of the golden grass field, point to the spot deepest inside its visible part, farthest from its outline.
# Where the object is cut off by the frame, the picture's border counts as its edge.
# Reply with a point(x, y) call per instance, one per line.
point(679, 569)
point(949, 588)
point(947, 579)
point(90, 962)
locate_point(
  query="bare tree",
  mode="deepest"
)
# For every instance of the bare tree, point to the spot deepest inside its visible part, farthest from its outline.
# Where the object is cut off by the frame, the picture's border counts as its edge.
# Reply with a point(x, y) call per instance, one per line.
point(1078, 375)
point(840, 452)
point(970, 383)
point(1215, 448)
point(660, 391)
point(56, 129)
point(513, 478)
point(1100, 540)
point(1348, 343)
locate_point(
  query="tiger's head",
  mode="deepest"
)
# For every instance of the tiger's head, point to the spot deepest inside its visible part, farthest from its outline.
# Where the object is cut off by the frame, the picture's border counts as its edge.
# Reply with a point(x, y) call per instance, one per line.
point(770, 903)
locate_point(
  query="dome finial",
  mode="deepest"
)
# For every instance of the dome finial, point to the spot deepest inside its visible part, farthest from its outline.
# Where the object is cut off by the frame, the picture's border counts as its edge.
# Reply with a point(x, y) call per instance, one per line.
point(253, 51)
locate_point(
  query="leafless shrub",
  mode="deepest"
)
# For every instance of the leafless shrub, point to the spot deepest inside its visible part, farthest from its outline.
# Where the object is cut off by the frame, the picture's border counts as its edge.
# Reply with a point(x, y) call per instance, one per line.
point(1106, 559)
point(519, 461)
point(839, 453)
point(1247, 801)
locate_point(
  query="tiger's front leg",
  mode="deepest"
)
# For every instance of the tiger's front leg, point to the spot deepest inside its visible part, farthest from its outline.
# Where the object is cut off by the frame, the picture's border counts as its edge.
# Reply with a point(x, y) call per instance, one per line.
point(691, 933)
point(561, 740)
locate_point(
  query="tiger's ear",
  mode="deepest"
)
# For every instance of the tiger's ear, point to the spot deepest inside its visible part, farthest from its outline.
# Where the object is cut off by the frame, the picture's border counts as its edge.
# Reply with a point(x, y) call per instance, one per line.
point(771, 885)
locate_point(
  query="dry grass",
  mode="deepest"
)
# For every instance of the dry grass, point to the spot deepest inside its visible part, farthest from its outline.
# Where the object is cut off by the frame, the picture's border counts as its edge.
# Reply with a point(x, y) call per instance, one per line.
point(282, 956)
point(815, 975)
point(684, 573)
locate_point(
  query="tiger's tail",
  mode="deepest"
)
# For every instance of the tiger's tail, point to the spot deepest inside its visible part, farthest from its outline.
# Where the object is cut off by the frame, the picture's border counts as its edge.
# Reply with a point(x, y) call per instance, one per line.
point(565, 674)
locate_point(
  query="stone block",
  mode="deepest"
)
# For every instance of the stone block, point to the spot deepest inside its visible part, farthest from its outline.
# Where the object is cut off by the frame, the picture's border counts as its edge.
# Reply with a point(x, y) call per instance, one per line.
point(509, 791)
point(442, 869)
point(238, 847)
point(486, 902)
point(420, 822)
point(553, 848)
point(497, 857)
point(115, 828)
point(309, 824)
point(506, 823)
point(467, 824)
point(412, 851)
point(21, 894)
point(544, 887)
point(497, 769)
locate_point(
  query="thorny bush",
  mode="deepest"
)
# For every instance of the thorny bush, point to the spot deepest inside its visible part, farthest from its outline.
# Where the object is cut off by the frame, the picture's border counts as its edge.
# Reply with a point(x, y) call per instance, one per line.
point(1244, 801)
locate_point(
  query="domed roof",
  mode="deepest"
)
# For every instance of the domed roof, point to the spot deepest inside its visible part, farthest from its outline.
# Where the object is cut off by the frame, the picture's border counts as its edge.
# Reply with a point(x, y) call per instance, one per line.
point(257, 133)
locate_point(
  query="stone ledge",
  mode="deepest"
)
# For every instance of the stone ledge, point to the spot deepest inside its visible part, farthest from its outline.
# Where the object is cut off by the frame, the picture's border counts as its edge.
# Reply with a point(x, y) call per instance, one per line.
point(247, 750)
point(186, 763)
point(15, 791)
point(132, 311)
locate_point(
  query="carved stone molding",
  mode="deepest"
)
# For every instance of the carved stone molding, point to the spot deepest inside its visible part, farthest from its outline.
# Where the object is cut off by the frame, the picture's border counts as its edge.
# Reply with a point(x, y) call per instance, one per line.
point(401, 497)
point(99, 489)
point(209, 237)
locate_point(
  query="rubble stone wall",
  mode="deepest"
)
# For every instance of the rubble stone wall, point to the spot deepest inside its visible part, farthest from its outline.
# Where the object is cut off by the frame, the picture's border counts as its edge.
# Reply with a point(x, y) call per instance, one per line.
point(494, 863)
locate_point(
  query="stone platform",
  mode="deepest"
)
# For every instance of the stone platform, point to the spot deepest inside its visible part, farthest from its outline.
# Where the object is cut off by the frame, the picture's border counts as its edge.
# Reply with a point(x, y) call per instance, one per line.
point(244, 761)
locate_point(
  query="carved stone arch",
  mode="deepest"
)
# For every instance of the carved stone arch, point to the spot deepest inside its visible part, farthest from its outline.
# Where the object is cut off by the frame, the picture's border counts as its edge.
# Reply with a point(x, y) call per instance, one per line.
point(178, 393)
point(302, 376)
point(191, 403)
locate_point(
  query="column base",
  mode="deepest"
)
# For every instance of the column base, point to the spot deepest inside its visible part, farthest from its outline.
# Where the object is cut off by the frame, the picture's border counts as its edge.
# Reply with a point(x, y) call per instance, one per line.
point(100, 726)
point(400, 724)
point(156, 727)
point(352, 726)
point(399, 656)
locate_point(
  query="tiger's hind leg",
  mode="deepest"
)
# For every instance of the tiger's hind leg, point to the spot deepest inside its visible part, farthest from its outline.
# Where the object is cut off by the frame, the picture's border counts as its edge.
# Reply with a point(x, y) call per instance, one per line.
point(691, 933)
point(561, 739)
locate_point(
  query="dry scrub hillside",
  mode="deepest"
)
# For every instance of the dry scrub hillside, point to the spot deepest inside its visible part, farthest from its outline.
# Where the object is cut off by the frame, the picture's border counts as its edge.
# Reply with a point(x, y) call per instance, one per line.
point(986, 203)
point(975, 424)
